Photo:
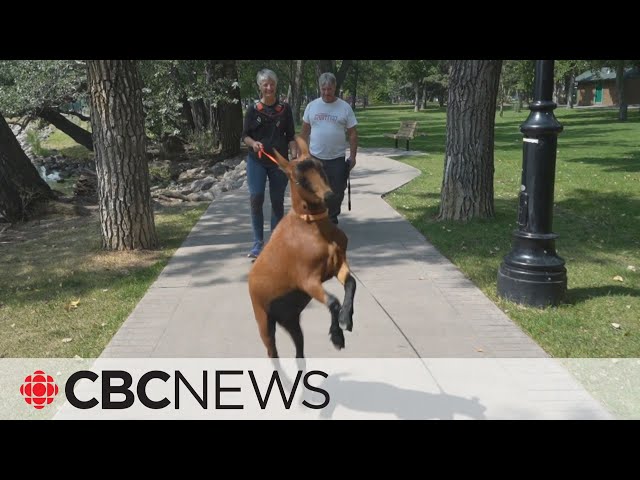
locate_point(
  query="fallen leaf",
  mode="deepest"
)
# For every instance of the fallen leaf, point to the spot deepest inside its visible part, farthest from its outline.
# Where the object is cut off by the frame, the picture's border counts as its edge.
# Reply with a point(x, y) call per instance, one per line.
point(72, 305)
point(615, 325)
point(66, 340)
point(618, 278)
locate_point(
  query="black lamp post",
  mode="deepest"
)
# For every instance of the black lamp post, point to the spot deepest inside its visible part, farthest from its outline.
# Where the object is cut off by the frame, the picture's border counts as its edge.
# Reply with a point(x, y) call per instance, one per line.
point(533, 273)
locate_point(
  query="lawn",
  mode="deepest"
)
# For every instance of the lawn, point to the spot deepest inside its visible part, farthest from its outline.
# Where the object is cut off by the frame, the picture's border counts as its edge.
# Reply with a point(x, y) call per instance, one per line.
point(596, 214)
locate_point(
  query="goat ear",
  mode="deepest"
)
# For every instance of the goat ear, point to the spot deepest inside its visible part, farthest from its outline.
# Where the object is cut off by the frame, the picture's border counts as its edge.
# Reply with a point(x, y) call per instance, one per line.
point(303, 148)
point(282, 162)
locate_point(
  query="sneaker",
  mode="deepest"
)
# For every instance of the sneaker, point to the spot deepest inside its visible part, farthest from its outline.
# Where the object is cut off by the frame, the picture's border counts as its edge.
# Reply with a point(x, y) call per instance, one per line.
point(255, 251)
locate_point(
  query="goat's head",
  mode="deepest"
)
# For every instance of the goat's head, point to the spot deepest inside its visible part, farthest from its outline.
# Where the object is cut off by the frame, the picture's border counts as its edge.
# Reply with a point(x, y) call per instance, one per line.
point(309, 184)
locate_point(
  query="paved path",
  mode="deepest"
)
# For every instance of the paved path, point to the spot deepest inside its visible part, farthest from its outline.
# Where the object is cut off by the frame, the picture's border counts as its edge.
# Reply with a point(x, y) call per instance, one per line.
point(411, 302)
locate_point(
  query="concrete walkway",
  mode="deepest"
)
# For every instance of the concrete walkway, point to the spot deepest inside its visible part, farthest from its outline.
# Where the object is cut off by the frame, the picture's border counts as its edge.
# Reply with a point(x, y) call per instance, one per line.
point(411, 302)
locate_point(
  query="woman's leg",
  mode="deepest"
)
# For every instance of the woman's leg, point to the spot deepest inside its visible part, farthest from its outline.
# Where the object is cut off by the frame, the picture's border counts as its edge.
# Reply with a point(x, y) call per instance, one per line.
point(256, 179)
point(277, 186)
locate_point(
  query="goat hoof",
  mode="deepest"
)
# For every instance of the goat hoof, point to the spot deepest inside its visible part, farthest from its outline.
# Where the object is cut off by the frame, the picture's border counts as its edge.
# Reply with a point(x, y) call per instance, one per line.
point(345, 320)
point(337, 338)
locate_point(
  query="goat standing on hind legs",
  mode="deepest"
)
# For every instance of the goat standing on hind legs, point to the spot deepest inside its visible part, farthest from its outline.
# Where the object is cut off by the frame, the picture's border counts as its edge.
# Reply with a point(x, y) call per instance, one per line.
point(304, 251)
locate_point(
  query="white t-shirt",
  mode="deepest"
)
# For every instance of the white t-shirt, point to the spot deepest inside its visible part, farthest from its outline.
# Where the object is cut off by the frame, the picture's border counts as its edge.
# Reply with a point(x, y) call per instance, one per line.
point(329, 123)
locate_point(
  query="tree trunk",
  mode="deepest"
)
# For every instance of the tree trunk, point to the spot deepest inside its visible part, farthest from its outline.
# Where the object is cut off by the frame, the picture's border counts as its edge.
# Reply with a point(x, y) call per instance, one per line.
point(117, 121)
point(230, 112)
point(79, 134)
point(416, 97)
point(21, 187)
point(622, 102)
point(214, 121)
point(467, 183)
point(341, 74)
point(200, 117)
point(289, 95)
point(354, 95)
point(187, 114)
point(570, 90)
point(326, 66)
point(298, 78)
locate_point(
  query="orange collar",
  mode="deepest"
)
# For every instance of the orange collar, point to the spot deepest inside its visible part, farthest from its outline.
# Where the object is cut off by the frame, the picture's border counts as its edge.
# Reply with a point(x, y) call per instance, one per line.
point(312, 217)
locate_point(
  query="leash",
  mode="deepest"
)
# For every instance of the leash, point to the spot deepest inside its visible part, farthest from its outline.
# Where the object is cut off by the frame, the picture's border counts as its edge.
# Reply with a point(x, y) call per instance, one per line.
point(348, 186)
point(261, 152)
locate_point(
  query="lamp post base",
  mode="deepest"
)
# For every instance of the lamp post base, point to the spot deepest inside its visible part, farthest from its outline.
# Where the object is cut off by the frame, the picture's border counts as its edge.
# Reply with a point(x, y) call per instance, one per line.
point(532, 273)
point(538, 289)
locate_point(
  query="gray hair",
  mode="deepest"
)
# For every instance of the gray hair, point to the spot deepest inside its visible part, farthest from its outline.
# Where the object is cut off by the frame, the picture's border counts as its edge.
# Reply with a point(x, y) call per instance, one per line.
point(327, 78)
point(266, 74)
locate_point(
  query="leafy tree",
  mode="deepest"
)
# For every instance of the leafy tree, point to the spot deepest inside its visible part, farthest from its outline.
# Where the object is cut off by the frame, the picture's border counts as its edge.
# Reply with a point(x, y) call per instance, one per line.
point(45, 89)
point(436, 81)
point(411, 74)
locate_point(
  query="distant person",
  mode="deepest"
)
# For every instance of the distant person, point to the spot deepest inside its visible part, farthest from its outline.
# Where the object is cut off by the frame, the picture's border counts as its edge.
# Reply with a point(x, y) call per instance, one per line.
point(326, 124)
point(268, 126)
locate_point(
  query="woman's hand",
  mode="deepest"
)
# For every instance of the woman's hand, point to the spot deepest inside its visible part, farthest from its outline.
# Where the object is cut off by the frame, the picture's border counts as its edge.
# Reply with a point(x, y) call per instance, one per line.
point(257, 146)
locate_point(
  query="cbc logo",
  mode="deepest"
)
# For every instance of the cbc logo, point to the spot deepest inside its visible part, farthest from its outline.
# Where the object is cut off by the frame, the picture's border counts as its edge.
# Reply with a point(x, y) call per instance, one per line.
point(39, 389)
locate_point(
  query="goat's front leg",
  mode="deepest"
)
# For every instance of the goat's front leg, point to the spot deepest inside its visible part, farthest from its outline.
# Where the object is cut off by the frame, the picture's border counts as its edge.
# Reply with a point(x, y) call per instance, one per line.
point(267, 329)
point(315, 290)
point(345, 317)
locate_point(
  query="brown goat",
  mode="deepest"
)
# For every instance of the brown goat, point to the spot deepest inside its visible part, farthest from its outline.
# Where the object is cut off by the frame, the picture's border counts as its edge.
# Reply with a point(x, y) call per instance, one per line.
point(304, 251)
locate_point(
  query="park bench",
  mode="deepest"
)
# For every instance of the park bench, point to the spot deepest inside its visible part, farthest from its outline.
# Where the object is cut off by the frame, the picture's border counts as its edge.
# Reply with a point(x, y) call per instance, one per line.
point(407, 131)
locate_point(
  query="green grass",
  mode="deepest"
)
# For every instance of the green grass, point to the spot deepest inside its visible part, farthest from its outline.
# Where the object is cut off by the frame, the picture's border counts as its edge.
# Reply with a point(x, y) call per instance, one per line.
point(52, 262)
point(66, 147)
point(596, 214)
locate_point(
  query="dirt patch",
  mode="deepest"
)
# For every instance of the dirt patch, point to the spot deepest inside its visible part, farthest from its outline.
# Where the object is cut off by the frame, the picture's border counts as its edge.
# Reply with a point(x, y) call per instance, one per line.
point(55, 218)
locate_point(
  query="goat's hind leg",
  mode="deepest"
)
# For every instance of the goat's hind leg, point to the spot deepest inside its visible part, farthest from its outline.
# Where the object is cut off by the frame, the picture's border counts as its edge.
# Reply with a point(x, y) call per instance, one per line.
point(286, 310)
point(316, 291)
point(345, 317)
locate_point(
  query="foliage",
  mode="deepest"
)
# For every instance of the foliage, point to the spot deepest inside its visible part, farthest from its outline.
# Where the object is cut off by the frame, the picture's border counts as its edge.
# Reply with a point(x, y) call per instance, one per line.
point(517, 78)
point(170, 84)
point(33, 139)
point(27, 86)
point(160, 174)
point(203, 143)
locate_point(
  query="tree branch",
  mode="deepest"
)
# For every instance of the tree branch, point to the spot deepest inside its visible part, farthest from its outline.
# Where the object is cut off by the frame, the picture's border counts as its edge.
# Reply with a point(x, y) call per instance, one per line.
point(79, 115)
